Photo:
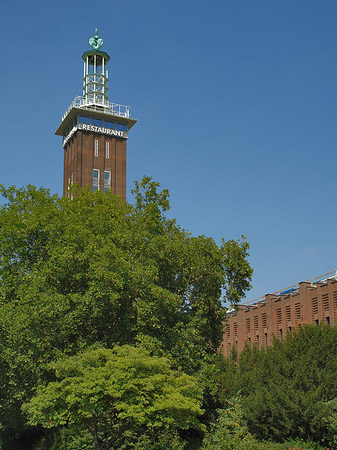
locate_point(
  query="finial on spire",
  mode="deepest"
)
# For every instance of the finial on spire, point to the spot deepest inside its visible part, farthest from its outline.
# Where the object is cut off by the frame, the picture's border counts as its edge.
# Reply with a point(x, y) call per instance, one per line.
point(96, 42)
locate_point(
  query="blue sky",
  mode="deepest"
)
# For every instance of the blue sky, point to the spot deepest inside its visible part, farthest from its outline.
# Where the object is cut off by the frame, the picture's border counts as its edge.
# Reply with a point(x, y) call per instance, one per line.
point(236, 106)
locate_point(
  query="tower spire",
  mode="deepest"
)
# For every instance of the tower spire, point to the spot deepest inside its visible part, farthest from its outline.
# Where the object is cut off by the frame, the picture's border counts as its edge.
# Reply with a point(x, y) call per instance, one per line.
point(95, 78)
point(96, 42)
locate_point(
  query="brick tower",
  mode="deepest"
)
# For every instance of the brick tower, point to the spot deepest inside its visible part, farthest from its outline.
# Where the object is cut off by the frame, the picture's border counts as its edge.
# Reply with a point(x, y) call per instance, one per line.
point(95, 130)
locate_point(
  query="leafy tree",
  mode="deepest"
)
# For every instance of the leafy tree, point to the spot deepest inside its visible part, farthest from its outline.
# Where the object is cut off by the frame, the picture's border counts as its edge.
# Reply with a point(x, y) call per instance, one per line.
point(230, 430)
point(116, 394)
point(288, 389)
point(98, 270)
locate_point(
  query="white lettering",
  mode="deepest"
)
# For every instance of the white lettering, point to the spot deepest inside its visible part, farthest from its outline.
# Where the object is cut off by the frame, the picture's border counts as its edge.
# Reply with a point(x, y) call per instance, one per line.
point(83, 126)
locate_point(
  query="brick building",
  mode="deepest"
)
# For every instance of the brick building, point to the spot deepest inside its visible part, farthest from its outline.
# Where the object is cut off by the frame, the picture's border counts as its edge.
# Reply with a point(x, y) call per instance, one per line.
point(279, 314)
point(95, 131)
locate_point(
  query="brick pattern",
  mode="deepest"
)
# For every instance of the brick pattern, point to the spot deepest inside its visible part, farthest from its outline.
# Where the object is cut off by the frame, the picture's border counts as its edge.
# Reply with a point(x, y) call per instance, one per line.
point(80, 160)
point(279, 315)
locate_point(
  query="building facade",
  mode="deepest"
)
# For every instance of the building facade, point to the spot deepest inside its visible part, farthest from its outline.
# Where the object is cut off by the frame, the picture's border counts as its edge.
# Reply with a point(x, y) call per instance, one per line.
point(279, 314)
point(95, 131)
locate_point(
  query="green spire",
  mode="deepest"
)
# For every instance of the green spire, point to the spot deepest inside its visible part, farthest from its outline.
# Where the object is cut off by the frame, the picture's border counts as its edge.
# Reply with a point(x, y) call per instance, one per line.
point(96, 42)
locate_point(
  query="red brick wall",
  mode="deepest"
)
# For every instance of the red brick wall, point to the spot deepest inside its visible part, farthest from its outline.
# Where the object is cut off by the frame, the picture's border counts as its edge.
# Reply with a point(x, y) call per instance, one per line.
point(80, 160)
point(279, 315)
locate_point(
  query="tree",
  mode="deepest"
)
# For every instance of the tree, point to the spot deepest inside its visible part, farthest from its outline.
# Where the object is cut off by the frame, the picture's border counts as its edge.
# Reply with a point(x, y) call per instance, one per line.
point(230, 430)
point(116, 394)
point(288, 389)
point(98, 270)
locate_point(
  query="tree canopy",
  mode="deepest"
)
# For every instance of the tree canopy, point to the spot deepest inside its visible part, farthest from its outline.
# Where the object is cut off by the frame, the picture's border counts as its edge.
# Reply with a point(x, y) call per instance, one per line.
point(289, 389)
point(74, 273)
point(117, 395)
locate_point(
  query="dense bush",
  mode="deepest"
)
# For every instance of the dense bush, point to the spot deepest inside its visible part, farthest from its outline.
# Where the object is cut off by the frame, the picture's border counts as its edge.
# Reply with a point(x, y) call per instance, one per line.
point(289, 389)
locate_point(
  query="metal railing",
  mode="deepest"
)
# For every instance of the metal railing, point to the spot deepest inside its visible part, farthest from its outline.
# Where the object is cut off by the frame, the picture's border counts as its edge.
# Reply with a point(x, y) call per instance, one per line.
point(99, 106)
point(294, 289)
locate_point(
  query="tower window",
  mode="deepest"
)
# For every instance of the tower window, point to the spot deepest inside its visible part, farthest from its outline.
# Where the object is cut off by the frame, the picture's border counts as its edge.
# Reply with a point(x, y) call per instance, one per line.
point(121, 127)
point(110, 125)
point(107, 181)
point(97, 122)
point(107, 150)
point(84, 119)
point(95, 180)
point(96, 147)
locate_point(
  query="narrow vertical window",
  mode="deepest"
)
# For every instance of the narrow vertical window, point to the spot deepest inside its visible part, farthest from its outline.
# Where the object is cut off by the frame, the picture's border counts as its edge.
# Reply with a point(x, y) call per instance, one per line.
point(107, 181)
point(96, 147)
point(72, 182)
point(107, 151)
point(95, 179)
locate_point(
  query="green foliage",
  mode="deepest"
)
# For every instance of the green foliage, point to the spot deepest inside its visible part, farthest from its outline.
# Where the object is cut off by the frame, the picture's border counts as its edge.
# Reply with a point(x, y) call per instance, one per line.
point(300, 444)
point(237, 269)
point(230, 431)
point(98, 270)
point(114, 395)
point(289, 389)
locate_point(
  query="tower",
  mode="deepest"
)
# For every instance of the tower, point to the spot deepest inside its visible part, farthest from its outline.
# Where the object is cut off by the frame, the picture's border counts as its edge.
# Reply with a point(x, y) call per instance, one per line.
point(95, 130)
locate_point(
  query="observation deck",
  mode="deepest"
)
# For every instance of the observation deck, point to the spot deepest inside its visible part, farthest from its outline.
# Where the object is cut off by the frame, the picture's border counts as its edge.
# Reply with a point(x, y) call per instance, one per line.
point(101, 108)
point(98, 106)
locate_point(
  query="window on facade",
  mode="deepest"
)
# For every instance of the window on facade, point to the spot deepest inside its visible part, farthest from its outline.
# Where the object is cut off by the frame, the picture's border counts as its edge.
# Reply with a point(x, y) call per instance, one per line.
point(247, 326)
point(107, 150)
point(96, 147)
point(297, 312)
point(107, 181)
point(97, 122)
point(235, 328)
point(288, 313)
point(334, 306)
point(325, 302)
point(110, 125)
point(121, 127)
point(281, 334)
point(95, 179)
point(84, 119)
point(256, 323)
